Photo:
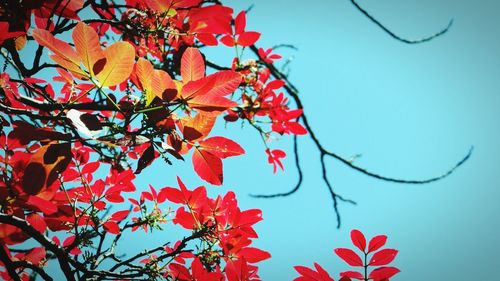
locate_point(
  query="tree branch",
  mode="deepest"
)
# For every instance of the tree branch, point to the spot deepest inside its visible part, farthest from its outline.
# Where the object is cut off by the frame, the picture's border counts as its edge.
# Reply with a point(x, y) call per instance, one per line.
point(397, 37)
point(9, 265)
point(299, 181)
point(33, 267)
point(294, 93)
point(61, 255)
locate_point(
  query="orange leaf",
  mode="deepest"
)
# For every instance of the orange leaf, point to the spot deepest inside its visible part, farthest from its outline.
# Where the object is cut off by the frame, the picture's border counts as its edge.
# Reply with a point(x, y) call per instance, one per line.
point(87, 45)
point(119, 64)
point(192, 65)
point(160, 82)
point(226, 82)
point(211, 103)
point(208, 166)
point(61, 49)
point(144, 72)
point(20, 42)
point(58, 47)
point(198, 127)
point(198, 87)
point(73, 68)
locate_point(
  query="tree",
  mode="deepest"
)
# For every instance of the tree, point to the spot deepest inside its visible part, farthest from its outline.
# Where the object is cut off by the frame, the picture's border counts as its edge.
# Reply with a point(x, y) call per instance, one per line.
point(126, 84)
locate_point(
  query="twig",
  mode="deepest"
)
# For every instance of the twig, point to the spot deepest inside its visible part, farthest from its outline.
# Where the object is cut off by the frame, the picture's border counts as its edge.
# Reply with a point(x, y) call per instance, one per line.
point(397, 37)
point(299, 182)
point(294, 93)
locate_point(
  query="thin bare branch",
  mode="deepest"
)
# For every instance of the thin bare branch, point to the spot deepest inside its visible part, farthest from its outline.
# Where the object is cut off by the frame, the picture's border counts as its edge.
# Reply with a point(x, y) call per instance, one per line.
point(299, 171)
point(294, 93)
point(397, 37)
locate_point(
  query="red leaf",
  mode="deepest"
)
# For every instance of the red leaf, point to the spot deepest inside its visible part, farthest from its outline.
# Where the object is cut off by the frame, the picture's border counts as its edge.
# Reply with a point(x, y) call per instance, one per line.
point(112, 227)
point(69, 241)
point(382, 273)
point(36, 255)
point(120, 215)
point(227, 40)
point(226, 82)
point(197, 127)
point(248, 38)
point(323, 273)
point(47, 207)
point(192, 65)
point(349, 256)
point(207, 39)
point(308, 274)
point(376, 243)
point(221, 147)
point(171, 194)
point(199, 87)
point(253, 255)
point(352, 274)
point(240, 23)
point(250, 217)
point(37, 222)
point(383, 257)
point(305, 272)
point(208, 166)
point(358, 239)
point(90, 167)
point(211, 103)
point(185, 219)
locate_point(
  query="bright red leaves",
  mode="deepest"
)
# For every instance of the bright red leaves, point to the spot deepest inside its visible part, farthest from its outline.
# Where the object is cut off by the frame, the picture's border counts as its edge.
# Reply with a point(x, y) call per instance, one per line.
point(240, 36)
point(274, 157)
point(308, 274)
point(206, 94)
point(230, 230)
point(147, 95)
point(379, 258)
point(208, 154)
point(349, 256)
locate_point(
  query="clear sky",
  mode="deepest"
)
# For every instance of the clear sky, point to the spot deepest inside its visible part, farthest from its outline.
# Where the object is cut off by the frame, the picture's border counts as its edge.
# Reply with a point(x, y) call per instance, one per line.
point(412, 111)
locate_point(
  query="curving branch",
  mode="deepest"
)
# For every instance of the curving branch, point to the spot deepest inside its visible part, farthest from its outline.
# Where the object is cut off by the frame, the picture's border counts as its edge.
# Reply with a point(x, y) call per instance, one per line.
point(294, 93)
point(394, 35)
point(299, 171)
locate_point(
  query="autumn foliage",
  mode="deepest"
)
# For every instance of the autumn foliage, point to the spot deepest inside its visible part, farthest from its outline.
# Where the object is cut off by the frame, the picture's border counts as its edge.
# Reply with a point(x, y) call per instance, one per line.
point(362, 265)
point(92, 93)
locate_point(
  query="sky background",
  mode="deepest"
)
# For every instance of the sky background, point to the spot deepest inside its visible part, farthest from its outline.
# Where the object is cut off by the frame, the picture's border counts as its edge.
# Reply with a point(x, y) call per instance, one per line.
point(412, 111)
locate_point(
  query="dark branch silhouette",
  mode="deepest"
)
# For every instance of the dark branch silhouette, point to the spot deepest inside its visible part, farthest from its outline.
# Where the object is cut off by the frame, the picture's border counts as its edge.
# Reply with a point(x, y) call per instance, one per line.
point(394, 35)
point(294, 93)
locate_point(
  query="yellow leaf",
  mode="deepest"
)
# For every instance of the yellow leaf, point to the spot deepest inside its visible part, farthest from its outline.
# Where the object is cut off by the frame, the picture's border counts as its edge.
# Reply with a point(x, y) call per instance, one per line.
point(118, 65)
point(87, 45)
